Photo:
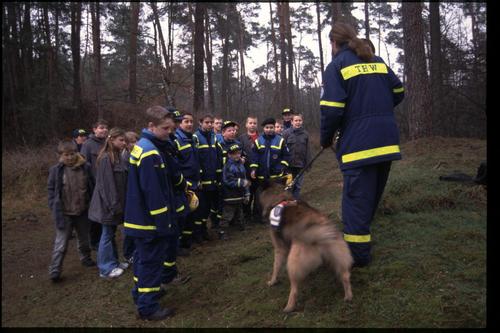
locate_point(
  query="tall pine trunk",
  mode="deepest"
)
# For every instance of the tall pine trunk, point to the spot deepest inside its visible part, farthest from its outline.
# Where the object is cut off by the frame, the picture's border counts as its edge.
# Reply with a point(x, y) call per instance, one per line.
point(367, 22)
point(208, 62)
point(199, 77)
point(290, 58)
point(96, 44)
point(76, 22)
point(318, 17)
point(419, 100)
point(284, 100)
point(276, 98)
point(436, 72)
point(132, 54)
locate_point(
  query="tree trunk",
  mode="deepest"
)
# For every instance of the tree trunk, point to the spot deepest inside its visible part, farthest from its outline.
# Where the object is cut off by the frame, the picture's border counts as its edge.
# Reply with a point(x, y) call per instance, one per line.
point(318, 16)
point(199, 77)
point(419, 101)
point(208, 62)
point(96, 45)
point(27, 49)
point(276, 98)
point(132, 55)
point(76, 17)
point(225, 66)
point(49, 96)
point(284, 99)
point(166, 75)
point(367, 22)
point(290, 55)
point(435, 50)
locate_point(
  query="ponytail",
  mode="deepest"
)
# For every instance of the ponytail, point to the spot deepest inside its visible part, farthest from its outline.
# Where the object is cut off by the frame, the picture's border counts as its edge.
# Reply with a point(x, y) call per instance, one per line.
point(343, 33)
point(108, 146)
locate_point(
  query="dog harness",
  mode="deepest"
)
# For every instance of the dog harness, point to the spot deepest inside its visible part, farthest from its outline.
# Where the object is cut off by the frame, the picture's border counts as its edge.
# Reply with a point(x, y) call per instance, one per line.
point(276, 214)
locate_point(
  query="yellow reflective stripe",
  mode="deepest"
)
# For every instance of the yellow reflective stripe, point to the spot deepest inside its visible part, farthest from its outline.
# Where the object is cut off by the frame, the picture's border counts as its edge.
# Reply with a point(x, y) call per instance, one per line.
point(276, 176)
point(258, 145)
point(254, 165)
point(133, 161)
point(357, 238)
point(148, 290)
point(169, 263)
point(233, 199)
point(189, 183)
point(238, 182)
point(218, 170)
point(203, 146)
point(136, 279)
point(365, 68)
point(187, 232)
point(360, 155)
point(398, 90)
point(138, 226)
point(159, 211)
point(183, 147)
point(334, 104)
point(285, 163)
point(180, 181)
point(206, 182)
point(149, 153)
point(180, 209)
point(213, 211)
point(162, 166)
point(136, 151)
point(198, 222)
point(260, 177)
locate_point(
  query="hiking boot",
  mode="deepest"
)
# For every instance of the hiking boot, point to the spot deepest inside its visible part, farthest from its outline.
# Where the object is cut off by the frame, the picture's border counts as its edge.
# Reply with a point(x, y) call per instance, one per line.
point(88, 262)
point(160, 314)
point(223, 236)
point(183, 252)
point(116, 272)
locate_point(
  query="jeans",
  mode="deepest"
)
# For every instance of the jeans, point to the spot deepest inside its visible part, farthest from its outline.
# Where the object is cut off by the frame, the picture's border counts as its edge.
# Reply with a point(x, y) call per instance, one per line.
point(81, 224)
point(107, 256)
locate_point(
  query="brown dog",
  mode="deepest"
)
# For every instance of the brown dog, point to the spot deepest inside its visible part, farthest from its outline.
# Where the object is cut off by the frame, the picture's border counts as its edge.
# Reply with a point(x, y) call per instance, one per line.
point(309, 239)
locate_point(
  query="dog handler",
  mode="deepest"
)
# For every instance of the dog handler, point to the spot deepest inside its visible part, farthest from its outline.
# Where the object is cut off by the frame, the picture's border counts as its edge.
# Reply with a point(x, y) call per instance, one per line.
point(359, 94)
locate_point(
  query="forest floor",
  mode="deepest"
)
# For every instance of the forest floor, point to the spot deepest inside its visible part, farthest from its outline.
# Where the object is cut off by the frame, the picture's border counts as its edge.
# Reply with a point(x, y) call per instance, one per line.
point(428, 269)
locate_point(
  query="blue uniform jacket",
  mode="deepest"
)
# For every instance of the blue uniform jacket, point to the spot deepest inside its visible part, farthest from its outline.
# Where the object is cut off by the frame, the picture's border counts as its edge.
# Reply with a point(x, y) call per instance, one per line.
point(177, 178)
point(234, 175)
point(270, 156)
point(210, 159)
point(358, 98)
point(188, 157)
point(224, 147)
point(150, 205)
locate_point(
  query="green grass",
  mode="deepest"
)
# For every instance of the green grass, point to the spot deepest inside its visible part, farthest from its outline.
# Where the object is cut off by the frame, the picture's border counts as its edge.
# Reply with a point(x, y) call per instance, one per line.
point(428, 270)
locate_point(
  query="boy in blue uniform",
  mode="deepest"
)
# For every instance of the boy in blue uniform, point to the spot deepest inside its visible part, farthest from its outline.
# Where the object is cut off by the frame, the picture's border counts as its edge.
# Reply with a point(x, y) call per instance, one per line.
point(359, 94)
point(210, 159)
point(269, 160)
point(235, 189)
point(149, 212)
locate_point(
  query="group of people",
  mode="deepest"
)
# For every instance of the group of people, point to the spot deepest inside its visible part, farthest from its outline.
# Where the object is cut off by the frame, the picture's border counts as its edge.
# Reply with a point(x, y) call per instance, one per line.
point(166, 184)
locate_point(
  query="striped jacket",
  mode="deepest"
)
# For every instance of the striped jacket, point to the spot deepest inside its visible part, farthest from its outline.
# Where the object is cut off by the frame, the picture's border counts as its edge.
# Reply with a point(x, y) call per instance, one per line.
point(358, 98)
point(210, 159)
point(270, 157)
point(188, 158)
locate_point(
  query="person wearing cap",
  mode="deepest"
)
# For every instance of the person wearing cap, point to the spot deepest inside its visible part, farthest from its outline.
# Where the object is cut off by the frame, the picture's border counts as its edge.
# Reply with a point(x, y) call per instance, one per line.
point(79, 137)
point(287, 118)
point(269, 160)
point(235, 190)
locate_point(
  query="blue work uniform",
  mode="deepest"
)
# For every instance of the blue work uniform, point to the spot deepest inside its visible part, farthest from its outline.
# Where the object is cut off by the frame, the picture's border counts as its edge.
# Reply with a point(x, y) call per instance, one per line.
point(210, 157)
point(358, 99)
point(149, 218)
point(187, 154)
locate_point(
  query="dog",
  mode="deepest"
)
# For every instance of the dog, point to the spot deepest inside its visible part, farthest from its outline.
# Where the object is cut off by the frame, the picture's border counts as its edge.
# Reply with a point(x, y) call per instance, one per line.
point(306, 239)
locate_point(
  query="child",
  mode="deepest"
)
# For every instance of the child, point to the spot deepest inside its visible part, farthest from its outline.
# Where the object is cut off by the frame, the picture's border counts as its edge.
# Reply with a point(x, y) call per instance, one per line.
point(278, 127)
point(248, 141)
point(70, 185)
point(297, 141)
point(90, 150)
point(210, 156)
point(287, 118)
point(235, 189)
point(269, 160)
point(79, 138)
point(149, 212)
point(128, 242)
point(108, 201)
point(218, 128)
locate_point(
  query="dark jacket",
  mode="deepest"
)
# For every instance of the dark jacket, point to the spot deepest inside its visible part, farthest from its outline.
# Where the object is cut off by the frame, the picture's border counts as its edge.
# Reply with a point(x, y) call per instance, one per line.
point(150, 208)
point(234, 176)
point(187, 155)
point(247, 144)
point(210, 156)
point(270, 156)
point(297, 141)
point(224, 147)
point(358, 98)
point(108, 199)
point(90, 150)
point(55, 186)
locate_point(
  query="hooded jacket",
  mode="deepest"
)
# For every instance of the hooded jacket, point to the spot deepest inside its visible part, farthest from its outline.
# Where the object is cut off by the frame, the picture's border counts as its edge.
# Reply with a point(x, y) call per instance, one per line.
point(297, 141)
point(55, 188)
point(90, 150)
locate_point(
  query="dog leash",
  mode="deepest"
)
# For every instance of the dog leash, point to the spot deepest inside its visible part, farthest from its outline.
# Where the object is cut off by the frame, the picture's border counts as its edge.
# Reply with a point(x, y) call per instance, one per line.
point(290, 186)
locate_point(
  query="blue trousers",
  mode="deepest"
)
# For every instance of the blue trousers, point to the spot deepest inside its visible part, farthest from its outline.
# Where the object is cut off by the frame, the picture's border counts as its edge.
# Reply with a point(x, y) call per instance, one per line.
point(209, 206)
point(107, 255)
point(363, 188)
point(169, 264)
point(149, 257)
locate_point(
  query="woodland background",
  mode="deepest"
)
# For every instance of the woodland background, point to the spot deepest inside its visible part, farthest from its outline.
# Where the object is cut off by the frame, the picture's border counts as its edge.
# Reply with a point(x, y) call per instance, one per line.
point(65, 64)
